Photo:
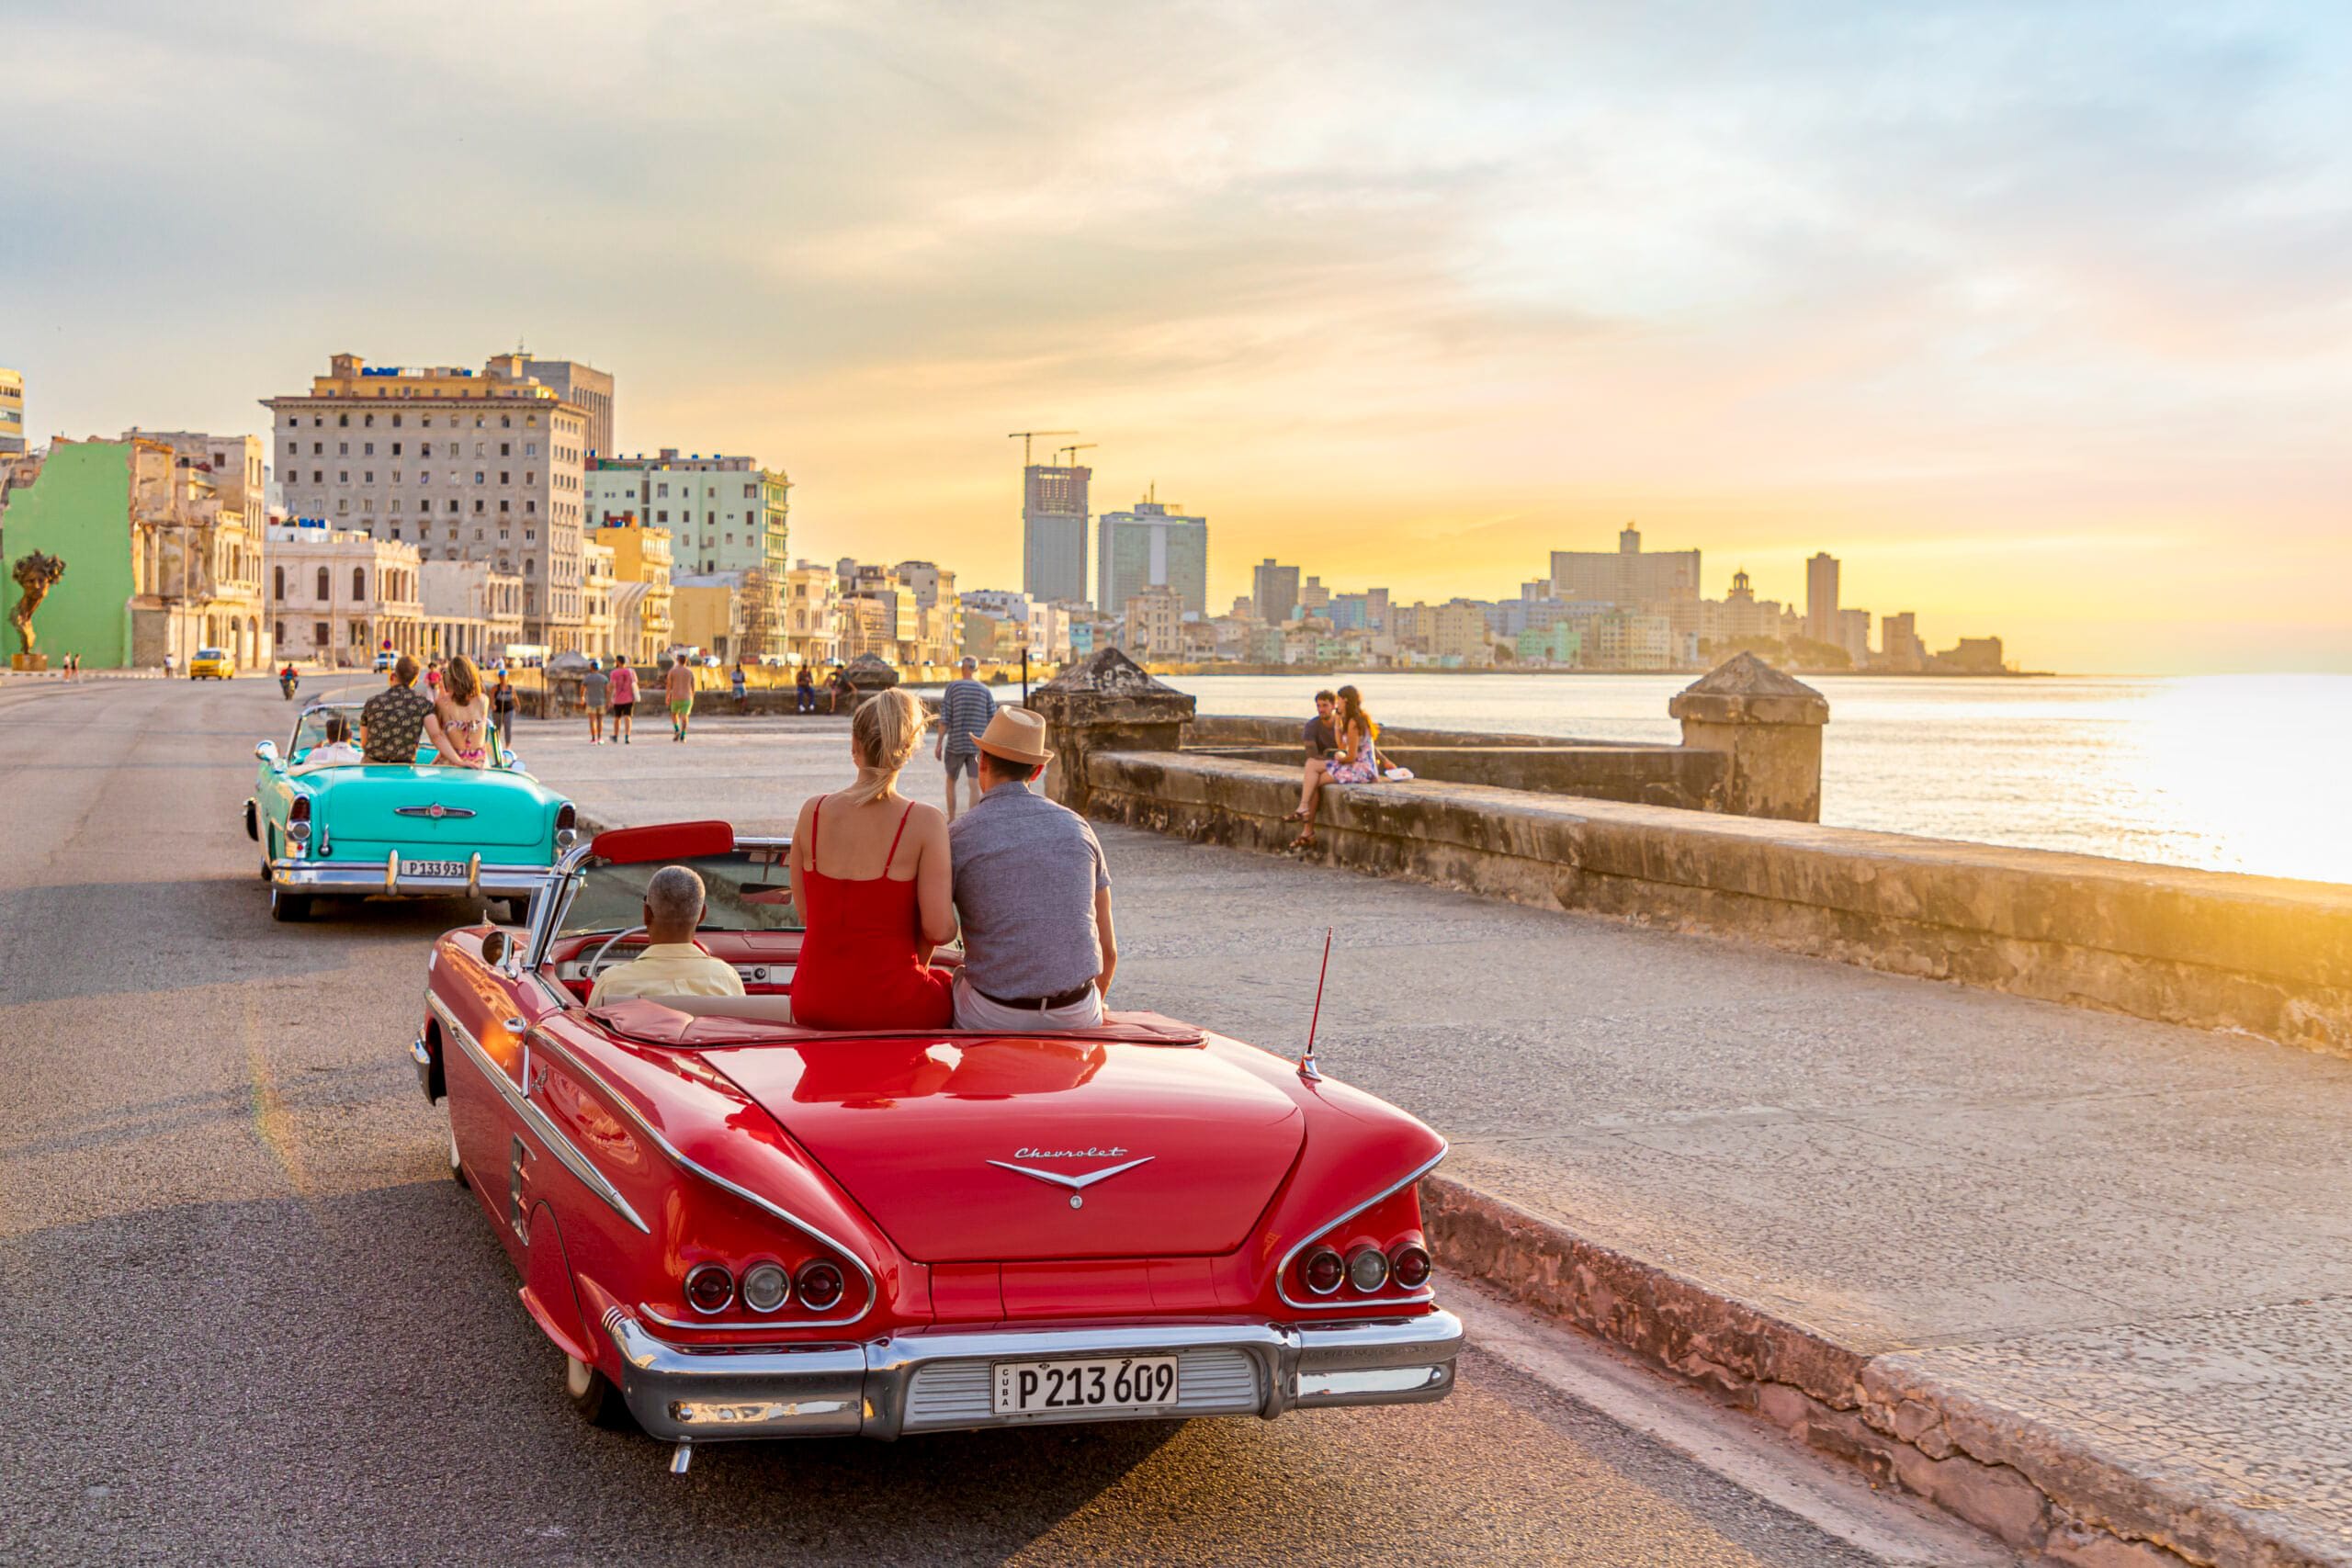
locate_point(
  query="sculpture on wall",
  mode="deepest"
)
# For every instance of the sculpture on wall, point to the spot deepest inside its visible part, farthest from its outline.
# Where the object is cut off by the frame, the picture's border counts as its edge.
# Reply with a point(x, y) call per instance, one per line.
point(36, 574)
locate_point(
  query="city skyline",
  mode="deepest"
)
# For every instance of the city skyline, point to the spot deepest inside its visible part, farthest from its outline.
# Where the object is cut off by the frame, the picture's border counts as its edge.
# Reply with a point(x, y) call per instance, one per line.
point(2035, 324)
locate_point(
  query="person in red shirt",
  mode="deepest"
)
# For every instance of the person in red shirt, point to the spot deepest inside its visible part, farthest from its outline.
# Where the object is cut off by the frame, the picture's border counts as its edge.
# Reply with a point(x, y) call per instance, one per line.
point(624, 699)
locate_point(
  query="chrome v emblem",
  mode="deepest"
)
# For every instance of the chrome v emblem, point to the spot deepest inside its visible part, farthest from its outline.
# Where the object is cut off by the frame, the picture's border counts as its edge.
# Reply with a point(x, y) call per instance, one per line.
point(1076, 1184)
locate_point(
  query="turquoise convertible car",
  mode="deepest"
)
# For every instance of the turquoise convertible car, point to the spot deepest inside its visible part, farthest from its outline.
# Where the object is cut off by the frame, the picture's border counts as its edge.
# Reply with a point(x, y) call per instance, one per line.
point(413, 830)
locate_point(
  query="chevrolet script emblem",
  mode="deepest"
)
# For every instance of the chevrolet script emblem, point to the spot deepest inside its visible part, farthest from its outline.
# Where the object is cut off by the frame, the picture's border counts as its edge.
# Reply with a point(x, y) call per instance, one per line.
point(1076, 1184)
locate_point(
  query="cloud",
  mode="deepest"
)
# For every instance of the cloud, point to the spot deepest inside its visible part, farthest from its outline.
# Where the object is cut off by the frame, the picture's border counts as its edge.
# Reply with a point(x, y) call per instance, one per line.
point(1399, 290)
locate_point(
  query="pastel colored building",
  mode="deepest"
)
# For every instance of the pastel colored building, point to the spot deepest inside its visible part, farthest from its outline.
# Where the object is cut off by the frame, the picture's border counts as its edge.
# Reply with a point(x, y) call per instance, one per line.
point(722, 514)
point(159, 561)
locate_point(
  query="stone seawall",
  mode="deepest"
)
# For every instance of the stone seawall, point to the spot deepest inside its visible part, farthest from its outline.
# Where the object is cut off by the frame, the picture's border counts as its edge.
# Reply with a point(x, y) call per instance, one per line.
point(1686, 776)
point(2211, 950)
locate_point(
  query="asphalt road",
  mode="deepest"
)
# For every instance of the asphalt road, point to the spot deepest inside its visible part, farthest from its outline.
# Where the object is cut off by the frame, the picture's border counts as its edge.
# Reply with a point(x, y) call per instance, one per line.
point(245, 1317)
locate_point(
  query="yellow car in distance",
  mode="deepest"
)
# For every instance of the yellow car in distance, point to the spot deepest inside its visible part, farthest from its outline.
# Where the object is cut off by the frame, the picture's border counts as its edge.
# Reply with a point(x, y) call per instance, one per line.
point(212, 662)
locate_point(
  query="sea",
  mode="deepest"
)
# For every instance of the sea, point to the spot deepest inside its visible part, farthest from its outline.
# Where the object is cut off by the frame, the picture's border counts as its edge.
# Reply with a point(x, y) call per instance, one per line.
point(2224, 772)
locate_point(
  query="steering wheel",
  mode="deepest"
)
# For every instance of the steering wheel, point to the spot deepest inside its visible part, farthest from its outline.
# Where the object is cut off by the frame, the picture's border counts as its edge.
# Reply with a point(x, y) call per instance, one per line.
point(596, 964)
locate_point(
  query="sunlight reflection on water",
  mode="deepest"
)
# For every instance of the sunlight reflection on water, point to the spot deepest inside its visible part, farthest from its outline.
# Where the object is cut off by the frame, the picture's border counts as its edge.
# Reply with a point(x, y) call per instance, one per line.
point(2229, 772)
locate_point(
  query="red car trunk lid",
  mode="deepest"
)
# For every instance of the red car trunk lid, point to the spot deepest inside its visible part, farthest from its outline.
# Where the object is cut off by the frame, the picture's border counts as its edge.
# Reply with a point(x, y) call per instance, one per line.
point(972, 1150)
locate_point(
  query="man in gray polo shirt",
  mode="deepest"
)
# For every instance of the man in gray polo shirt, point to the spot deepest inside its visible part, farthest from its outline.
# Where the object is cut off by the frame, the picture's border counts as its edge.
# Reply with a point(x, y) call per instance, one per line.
point(1033, 893)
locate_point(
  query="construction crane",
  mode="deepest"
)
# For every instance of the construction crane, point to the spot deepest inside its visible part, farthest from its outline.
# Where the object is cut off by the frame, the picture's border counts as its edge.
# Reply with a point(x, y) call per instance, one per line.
point(1023, 437)
point(1072, 450)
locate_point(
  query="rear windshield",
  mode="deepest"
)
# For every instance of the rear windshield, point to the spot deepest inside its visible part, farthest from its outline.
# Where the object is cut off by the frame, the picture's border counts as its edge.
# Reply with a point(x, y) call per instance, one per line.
point(211, 653)
point(313, 730)
point(748, 890)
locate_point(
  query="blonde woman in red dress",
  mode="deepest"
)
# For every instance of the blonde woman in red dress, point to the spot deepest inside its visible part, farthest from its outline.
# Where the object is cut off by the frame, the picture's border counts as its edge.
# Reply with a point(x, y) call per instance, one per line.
point(872, 880)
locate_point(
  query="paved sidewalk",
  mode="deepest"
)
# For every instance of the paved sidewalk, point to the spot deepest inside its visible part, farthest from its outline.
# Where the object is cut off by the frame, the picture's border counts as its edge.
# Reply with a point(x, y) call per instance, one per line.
point(2123, 1248)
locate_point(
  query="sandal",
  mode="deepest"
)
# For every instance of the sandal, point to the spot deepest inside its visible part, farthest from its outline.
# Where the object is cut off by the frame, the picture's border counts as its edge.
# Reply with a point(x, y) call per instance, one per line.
point(1301, 814)
point(1302, 840)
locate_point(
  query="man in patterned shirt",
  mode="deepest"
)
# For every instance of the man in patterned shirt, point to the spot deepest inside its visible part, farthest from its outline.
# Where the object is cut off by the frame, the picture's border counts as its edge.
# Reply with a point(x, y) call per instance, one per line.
point(396, 718)
point(965, 709)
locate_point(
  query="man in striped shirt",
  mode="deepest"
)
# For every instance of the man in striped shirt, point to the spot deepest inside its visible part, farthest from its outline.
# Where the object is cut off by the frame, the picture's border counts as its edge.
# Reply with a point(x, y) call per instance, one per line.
point(965, 709)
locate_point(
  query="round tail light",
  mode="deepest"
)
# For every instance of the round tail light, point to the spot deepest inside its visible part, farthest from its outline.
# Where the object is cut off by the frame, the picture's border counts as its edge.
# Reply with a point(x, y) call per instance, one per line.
point(298, 820)
point(566, 826)
point(765, 1287)
point(1323, 1270)
point(1367, 1269)
point(710, 1287)
point(1408, 1265)
point(821, 1285)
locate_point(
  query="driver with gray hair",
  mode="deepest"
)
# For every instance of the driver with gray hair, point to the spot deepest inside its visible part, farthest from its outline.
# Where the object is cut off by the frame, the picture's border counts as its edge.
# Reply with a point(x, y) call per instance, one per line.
point(670, 965)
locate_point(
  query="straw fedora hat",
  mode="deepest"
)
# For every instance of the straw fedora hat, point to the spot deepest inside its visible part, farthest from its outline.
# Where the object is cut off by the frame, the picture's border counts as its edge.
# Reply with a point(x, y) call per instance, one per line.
point(1016, 735)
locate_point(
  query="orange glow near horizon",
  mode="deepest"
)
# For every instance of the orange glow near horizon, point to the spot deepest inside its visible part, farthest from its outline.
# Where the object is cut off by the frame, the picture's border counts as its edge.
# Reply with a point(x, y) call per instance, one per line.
point(2039, 322)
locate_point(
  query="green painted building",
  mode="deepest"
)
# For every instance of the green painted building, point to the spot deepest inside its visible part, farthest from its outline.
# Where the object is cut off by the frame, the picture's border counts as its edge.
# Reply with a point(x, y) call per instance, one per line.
point(77, 509)
point(159, 556)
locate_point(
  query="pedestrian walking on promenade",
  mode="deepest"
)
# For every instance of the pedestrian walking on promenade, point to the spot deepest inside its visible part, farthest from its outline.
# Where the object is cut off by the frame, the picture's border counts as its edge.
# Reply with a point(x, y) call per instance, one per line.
point(679, 687)
point(742, 698)
point(594, 690)
point(502, 709)
point(965, 709)
point(623, 700)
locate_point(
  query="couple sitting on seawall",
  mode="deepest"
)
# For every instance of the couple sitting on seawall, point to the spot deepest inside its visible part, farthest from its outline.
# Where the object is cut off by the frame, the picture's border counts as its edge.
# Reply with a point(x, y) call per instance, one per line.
point(880, 880)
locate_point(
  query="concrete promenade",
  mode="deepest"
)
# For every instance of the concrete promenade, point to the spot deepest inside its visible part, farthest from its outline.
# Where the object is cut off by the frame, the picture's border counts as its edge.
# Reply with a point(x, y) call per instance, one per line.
point(2054, 1254)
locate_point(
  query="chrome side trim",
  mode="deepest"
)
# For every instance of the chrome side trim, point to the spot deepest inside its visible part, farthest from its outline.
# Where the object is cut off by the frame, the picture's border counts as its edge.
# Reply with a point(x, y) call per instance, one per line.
point(567, 1154)
point(711, 1326)
point(1334, 1303)
point(676, 1157)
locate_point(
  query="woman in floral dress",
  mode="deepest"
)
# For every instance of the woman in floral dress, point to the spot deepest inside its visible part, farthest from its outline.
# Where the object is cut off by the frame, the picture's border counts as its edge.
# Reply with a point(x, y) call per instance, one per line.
point(1356, 762)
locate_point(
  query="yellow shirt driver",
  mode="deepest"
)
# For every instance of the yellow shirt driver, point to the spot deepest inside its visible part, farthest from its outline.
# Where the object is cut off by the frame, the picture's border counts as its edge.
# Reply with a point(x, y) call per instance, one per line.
point(670, 965)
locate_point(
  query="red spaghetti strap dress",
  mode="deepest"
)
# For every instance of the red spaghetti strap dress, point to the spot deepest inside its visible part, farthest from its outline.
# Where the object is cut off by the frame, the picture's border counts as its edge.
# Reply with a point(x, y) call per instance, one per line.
point(857, 967)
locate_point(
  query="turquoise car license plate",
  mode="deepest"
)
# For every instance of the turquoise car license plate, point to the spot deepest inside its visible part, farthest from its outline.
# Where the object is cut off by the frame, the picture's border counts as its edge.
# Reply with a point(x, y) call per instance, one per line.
point(433, 868)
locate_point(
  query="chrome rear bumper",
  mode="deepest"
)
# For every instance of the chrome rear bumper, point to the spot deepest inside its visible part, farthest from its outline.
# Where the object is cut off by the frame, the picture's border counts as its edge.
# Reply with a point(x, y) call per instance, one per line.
point(358, 878)
point(940, 1381)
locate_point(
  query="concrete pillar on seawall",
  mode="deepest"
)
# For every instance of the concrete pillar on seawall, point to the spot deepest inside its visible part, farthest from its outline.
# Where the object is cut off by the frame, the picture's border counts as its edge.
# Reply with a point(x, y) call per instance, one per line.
point(1769, 724)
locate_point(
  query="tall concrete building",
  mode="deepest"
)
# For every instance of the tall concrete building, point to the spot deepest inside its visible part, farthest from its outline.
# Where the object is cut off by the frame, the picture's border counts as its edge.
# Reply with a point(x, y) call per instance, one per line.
point(1630, 576)
point(724, 513)
point(1821, 598)
point(12, 414)
point(584, 388)
point(1899, 644)
point(464, 465)
point(1053, 533)
point(1274, 589)
point(1854, 636)
point(1154, 546)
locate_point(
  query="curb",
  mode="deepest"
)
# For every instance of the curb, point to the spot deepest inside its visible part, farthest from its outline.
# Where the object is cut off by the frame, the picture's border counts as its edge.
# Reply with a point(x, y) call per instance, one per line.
point(2036, 1486)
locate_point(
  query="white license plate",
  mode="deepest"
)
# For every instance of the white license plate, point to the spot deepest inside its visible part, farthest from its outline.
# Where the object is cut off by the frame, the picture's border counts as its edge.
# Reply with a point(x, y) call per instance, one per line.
point(433, 868)
point(1114, 1382)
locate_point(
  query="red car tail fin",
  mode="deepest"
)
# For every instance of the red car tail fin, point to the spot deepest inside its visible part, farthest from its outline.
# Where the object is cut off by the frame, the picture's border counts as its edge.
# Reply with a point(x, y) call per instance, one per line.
point(662, 840)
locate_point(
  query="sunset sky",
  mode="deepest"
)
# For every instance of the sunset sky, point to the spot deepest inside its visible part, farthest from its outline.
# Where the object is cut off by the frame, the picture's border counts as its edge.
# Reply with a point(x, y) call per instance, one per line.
point(2039, 315)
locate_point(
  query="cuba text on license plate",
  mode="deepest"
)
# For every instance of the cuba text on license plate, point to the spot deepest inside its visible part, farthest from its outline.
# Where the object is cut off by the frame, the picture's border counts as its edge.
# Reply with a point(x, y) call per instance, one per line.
point(1112, 1383)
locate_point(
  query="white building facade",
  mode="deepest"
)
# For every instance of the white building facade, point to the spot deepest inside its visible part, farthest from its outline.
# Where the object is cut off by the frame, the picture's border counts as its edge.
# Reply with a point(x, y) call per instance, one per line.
point(338, 595)
point(470, 607)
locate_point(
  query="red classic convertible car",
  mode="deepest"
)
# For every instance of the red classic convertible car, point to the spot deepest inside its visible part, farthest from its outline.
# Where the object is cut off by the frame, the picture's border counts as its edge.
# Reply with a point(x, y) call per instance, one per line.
point(735, 1227)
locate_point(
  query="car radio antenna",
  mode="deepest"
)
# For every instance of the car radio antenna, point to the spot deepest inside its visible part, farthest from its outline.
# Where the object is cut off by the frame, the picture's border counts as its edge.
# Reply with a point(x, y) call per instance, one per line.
point(1307, 1068)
